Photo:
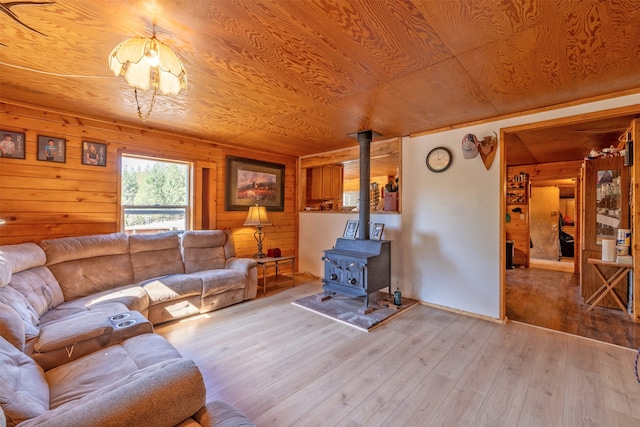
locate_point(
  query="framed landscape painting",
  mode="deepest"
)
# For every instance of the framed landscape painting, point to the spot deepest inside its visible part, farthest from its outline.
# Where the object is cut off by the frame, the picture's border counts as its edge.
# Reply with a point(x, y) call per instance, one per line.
point(12, 145)
point(250, 182)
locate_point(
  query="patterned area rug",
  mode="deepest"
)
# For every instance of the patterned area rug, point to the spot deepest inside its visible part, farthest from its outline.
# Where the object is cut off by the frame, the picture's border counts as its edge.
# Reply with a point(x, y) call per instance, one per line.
point(346, 309)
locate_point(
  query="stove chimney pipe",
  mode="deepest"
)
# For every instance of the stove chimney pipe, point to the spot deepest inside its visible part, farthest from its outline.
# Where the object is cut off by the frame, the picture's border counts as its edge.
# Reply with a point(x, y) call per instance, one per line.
point(364, 139)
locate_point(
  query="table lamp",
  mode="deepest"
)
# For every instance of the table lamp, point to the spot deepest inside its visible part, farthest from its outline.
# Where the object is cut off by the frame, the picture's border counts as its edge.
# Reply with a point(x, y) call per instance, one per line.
point(257, 217)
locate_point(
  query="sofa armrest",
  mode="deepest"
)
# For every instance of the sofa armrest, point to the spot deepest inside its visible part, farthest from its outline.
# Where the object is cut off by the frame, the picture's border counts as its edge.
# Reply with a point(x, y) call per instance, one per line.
point(163, 394)
point(242, 264)
point(71, 331)
point(249, 268)
point(221, 414)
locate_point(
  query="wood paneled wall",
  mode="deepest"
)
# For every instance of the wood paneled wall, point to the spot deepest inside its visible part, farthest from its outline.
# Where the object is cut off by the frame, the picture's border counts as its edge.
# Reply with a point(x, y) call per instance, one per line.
point(42, 200)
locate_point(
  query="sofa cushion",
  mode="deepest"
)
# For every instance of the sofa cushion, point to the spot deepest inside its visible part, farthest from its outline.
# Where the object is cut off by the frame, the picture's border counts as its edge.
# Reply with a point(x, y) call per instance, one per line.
point(67, 332)
point(80, 307)
point(24, 392)
point(132, 296)
point(18, 318)
point(155, 255)
point(163, 394)
point(94, 371)
point(12, 327)
point(16, 258)
point(218, 281)
point(86, 265)
point(203, 250)
point(172, 287)
point(229, 245)
point(80, 247)
point(40, 288)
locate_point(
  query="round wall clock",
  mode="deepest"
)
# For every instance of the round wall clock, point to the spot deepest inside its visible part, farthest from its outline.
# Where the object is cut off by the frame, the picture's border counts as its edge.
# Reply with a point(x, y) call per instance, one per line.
point(439, 159)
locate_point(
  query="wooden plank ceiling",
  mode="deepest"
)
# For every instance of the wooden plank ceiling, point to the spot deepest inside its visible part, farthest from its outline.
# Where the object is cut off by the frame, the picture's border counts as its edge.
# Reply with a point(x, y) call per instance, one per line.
point(298, 76)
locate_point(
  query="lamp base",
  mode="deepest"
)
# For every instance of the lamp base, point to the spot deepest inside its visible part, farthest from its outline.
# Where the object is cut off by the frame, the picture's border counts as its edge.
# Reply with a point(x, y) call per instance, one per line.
point(259, 235)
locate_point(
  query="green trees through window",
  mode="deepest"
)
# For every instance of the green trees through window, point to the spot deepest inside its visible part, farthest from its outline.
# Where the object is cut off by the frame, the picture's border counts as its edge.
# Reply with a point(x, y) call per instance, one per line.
point(155, 195)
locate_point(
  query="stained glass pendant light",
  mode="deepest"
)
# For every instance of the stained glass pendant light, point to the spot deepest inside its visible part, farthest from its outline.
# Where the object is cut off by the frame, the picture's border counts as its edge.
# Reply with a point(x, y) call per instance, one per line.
point(148, 63)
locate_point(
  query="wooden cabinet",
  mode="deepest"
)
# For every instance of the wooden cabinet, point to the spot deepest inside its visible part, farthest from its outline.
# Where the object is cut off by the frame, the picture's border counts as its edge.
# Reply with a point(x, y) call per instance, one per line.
point(326, 182)
point(606, 209)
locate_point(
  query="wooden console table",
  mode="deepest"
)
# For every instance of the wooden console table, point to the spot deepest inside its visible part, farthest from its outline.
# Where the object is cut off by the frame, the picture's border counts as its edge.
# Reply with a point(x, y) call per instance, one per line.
point(608, 283)
point(277, 263)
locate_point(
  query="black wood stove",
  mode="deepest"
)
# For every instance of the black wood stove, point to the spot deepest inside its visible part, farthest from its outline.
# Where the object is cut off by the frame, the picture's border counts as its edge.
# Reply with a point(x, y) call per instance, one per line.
point(357, 268)
point(362, 266)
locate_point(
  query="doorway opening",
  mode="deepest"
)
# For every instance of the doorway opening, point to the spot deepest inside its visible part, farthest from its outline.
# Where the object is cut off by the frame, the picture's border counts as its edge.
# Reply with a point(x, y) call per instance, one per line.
point(538, 290)
point(553, 225)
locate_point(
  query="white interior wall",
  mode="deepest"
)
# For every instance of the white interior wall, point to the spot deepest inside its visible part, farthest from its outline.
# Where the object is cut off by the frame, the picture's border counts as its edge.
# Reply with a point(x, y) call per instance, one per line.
point(446, 241)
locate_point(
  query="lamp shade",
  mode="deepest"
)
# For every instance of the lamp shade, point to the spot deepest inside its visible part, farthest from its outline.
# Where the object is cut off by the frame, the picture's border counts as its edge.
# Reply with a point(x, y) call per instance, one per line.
point(257, 216)
point(135, 59)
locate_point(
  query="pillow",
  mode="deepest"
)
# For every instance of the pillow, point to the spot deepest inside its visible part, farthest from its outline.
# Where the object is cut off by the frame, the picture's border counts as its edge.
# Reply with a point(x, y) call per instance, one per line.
point(24, 392)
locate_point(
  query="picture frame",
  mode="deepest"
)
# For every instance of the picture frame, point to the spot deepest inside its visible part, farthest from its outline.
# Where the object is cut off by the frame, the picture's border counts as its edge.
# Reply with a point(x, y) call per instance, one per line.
point(52, 149)
point(12, 145)
point(94, 153)
point(250, 182)
point(351, 229)
point(376, 231)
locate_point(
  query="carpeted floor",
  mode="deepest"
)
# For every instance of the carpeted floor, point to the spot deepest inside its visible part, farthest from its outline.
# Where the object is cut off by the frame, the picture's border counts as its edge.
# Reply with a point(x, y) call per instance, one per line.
point(345, 309)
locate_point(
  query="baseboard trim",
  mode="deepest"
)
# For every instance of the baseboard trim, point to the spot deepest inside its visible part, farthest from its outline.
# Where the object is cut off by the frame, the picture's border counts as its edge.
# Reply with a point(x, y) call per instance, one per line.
point(464, 313)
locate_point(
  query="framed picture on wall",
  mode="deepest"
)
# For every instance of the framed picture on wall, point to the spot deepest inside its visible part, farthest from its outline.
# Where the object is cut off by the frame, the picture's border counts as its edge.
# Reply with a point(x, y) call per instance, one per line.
point(51, 149)
point(12, 145)
point(250, 182)
point(94, 153)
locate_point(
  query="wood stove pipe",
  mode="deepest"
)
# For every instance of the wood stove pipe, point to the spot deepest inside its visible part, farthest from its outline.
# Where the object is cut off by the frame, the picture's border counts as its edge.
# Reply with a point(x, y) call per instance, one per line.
point(364, 139)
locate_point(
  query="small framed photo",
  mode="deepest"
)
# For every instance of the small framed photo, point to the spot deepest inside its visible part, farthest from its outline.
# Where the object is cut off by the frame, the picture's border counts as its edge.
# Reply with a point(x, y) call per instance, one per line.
point(12, 145)
point(376, 231)
point(351, 229)
point(94, 153)
point(51, 149)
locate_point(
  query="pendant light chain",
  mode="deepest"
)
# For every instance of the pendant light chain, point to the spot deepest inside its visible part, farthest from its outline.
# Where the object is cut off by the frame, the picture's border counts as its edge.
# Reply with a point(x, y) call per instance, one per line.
point(155, 84)
point(153, 101)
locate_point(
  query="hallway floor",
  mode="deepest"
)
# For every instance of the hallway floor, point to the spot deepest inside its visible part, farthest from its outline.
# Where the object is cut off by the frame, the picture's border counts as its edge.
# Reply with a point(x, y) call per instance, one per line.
point(552, 300)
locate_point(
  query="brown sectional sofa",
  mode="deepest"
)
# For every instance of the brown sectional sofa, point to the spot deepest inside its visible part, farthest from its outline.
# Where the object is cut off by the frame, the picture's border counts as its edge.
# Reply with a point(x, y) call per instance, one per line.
point(76, 336)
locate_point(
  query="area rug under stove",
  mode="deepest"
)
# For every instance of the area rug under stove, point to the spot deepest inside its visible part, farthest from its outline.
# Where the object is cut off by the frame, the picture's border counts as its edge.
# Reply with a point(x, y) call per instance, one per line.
point(343, 308)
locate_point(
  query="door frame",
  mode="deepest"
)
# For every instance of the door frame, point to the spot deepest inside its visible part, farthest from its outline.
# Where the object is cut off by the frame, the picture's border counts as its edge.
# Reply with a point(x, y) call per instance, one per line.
point(634, 202)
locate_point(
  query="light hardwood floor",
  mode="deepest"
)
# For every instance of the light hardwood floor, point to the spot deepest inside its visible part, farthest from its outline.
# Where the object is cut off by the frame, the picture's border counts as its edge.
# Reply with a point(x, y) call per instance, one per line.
point(285, 366)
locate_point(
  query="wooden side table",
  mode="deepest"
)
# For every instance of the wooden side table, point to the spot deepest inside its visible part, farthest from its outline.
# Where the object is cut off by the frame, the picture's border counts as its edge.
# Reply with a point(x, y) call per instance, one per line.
point(277, 262)
point(608, 283)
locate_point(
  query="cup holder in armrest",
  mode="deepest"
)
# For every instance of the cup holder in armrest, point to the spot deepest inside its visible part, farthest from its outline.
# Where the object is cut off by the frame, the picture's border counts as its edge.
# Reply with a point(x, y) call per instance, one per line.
point(119, 316)
point(126, 323)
